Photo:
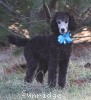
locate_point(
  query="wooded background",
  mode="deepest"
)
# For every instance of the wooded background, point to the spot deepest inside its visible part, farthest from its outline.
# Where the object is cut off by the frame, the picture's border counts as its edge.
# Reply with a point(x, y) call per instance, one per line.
point(32, 17)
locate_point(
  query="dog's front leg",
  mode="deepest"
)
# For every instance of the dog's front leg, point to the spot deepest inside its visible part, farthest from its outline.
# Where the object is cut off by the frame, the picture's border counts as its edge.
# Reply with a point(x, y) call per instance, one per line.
point(52, 72)
point(62, 72)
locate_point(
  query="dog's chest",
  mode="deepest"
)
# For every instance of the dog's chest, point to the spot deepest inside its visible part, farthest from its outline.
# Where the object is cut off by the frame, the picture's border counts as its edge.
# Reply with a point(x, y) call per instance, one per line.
point(60, 49)
point(57, 47)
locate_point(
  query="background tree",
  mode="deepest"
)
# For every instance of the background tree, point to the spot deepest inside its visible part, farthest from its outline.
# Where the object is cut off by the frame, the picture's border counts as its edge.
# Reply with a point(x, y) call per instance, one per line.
point(32, 17)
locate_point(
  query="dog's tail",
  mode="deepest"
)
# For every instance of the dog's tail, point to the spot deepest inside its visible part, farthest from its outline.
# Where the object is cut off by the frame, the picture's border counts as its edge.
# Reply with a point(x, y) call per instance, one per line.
point(18, 41)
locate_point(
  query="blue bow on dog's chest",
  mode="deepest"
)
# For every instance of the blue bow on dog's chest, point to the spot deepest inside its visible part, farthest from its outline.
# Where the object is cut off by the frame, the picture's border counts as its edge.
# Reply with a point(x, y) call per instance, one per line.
point(64, 38)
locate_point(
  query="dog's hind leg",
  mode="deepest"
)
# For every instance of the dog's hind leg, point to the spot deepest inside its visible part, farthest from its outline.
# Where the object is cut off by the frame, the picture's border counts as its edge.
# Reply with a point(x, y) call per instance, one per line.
point(43, 67)
point(31, 68)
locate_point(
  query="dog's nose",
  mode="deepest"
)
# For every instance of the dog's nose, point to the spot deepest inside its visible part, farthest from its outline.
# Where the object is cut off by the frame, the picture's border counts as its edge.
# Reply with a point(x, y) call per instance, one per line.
point(62, 30)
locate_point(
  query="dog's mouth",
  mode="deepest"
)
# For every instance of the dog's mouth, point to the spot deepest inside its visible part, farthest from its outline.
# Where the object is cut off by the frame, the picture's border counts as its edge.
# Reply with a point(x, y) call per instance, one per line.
point(63, 31)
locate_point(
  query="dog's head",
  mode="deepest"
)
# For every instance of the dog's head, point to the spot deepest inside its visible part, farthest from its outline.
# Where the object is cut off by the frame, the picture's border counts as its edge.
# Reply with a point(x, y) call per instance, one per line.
point(62, 22)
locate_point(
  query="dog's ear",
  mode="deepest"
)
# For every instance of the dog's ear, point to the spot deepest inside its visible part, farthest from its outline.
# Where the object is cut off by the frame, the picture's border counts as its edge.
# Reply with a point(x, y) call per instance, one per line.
point(72, 23)
point(53, 24)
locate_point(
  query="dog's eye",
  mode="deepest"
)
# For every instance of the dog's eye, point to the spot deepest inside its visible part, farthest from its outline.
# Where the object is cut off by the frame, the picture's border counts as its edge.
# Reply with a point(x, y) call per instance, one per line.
point(58, 22)
point(66, 21)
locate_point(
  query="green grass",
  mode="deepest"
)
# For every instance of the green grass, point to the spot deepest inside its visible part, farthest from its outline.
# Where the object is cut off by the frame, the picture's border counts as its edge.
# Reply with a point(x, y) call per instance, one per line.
point(12, 86)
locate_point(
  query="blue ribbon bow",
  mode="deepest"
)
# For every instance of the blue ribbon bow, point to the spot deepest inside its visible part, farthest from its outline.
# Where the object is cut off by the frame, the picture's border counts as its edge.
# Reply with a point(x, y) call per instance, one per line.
point(64, 38)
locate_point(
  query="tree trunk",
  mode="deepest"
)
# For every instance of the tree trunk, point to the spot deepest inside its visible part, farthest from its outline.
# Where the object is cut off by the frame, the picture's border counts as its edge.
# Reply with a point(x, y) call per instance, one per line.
point(54, 5)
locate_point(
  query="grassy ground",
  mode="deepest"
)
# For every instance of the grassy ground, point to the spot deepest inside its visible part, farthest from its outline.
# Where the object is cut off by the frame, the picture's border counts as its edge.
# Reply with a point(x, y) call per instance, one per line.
point(12, 86)
point(78, 87)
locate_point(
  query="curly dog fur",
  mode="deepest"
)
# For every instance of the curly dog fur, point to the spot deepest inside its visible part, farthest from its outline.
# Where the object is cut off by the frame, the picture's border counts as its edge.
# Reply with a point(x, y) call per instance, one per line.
point(44, 53)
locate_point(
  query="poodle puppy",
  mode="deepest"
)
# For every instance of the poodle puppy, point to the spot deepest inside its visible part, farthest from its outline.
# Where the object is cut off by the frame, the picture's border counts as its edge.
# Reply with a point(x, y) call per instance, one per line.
point(47, 53)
